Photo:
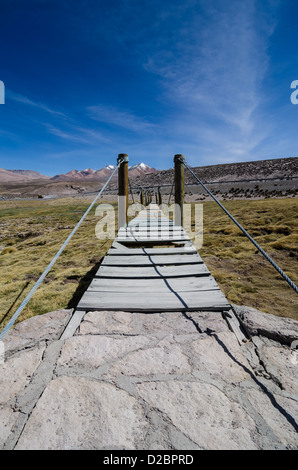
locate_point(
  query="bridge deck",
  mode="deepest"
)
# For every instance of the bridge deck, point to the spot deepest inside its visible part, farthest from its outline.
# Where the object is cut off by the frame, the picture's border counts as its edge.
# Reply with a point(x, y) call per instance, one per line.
point(137, 276)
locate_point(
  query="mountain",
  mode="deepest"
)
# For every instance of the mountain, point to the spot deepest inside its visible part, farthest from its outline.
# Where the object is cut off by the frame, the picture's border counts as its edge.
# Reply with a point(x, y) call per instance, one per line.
point(19, 176)
point(140, 169)
point(104, 173)
point(75, 175)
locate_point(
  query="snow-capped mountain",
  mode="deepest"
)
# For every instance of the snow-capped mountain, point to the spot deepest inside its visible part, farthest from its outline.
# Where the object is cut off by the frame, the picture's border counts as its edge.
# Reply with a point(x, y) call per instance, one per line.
point(88, 173)
point(140, 169)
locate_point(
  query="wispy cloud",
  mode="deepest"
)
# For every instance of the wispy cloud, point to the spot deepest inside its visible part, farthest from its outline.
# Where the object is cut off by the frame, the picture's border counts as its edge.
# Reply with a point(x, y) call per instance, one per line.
point(214, 68)
point(78, 134)
point(24, 100)
point(120, 118)
point(65, 127)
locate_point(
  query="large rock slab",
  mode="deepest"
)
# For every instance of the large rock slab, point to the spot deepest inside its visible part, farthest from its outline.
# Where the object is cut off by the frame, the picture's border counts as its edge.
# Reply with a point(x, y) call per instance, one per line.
point(166, 357)
point(75, 413)
point(203, 413)
point(156, 381)
point(256, 323)
point(91, 352)
point(16, 373)
point(106, 322)
point(29, 333)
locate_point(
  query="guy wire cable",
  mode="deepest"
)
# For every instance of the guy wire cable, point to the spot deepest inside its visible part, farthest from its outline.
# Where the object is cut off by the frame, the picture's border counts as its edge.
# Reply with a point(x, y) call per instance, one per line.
point(43, 275)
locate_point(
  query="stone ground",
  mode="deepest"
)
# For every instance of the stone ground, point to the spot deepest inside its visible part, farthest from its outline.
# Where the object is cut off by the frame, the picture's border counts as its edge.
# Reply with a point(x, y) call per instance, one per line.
point(150, 382)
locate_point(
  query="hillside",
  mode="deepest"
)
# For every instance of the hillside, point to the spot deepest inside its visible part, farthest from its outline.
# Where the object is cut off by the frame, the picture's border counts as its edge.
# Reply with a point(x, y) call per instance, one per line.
point(265, 178)
point(15, 176)
point(256, 170)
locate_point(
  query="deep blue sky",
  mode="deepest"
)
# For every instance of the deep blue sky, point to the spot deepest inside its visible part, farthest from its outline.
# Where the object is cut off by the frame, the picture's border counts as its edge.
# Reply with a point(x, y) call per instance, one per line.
point(86, 80)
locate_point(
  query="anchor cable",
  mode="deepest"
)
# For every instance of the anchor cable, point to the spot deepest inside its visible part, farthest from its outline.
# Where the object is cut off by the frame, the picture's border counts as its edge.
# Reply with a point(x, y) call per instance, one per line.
point(43, 275)
point(278, 269)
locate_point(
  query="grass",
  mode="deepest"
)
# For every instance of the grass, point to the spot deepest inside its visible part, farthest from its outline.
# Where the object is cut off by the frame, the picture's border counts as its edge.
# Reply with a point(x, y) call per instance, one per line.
point(31, 234)
point(243, 274)
point(33, 231)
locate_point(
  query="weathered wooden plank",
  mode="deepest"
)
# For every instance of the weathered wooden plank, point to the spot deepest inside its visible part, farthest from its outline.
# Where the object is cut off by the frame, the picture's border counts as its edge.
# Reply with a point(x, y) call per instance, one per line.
point(235, 326)
point(188, 284)
point(157, 231)
point(157, 260)
point(152, 241)
point(152, 221)
point(186, 301)
point(156, 227)
point(73, 325)
point(185, 251)
point(123, 236)
point(157, 223)
point(152, 271)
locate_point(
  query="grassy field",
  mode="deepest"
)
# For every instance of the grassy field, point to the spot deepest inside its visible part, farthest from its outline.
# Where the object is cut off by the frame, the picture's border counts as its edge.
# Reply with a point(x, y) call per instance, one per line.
point(243, 274)
point(33, 231)
point(31, 234)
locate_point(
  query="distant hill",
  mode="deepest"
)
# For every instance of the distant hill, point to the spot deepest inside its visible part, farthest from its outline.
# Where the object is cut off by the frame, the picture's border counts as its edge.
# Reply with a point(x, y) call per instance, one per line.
point(279, 168)
point(15, 176)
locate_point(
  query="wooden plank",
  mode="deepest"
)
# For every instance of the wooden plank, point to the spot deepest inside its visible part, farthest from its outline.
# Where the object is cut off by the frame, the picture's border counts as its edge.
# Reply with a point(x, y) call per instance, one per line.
point(154, 223)
point(118, 246)
point(235, 326)
point(152, 228)
point(185, 251)
point(72, 325)
point(152, 271)
point(151, 235)
point(186, 301)
point(151, 240)
point(149, 221)
point(188, 284)
point(157, 260)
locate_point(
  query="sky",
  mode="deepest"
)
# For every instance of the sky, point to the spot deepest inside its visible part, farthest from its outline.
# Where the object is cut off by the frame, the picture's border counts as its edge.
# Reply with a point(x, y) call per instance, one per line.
point(86, 80)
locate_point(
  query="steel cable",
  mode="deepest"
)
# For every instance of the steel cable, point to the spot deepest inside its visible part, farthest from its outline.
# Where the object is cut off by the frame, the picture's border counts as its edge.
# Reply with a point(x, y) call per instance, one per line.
point(278, 269)
point(43, 275)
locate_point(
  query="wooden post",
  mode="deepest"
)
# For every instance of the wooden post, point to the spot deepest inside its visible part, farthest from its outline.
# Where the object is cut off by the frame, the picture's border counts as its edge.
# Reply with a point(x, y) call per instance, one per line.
point(179, 189)
point(159, 197)
point(122, 190)
point(142, 197)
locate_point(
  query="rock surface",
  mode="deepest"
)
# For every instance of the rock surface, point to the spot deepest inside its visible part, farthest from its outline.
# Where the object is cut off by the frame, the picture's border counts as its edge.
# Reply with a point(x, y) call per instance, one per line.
point(150, 381)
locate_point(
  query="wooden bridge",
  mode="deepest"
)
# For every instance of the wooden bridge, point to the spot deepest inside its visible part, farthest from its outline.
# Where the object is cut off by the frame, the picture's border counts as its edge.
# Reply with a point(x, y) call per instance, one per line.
point(137, 275)
point(153, 266)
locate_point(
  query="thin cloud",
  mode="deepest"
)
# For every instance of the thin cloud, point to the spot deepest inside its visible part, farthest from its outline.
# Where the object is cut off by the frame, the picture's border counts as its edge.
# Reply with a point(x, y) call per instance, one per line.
point(24, 100)
point(77, 134)
point(119, 118)
point(214, 67)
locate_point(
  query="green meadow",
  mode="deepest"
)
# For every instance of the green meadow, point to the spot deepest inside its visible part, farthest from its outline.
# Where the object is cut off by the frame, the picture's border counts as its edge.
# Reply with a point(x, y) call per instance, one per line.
point(33, 231)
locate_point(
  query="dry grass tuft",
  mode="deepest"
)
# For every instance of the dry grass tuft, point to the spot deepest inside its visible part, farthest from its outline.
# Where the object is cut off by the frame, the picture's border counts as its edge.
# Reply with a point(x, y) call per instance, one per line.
point(243, 274)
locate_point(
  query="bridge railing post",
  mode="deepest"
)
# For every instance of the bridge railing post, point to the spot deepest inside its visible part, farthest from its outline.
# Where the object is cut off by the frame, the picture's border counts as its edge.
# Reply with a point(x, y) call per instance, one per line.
point(179, 188)
point(159, 196)
point(122, 190)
